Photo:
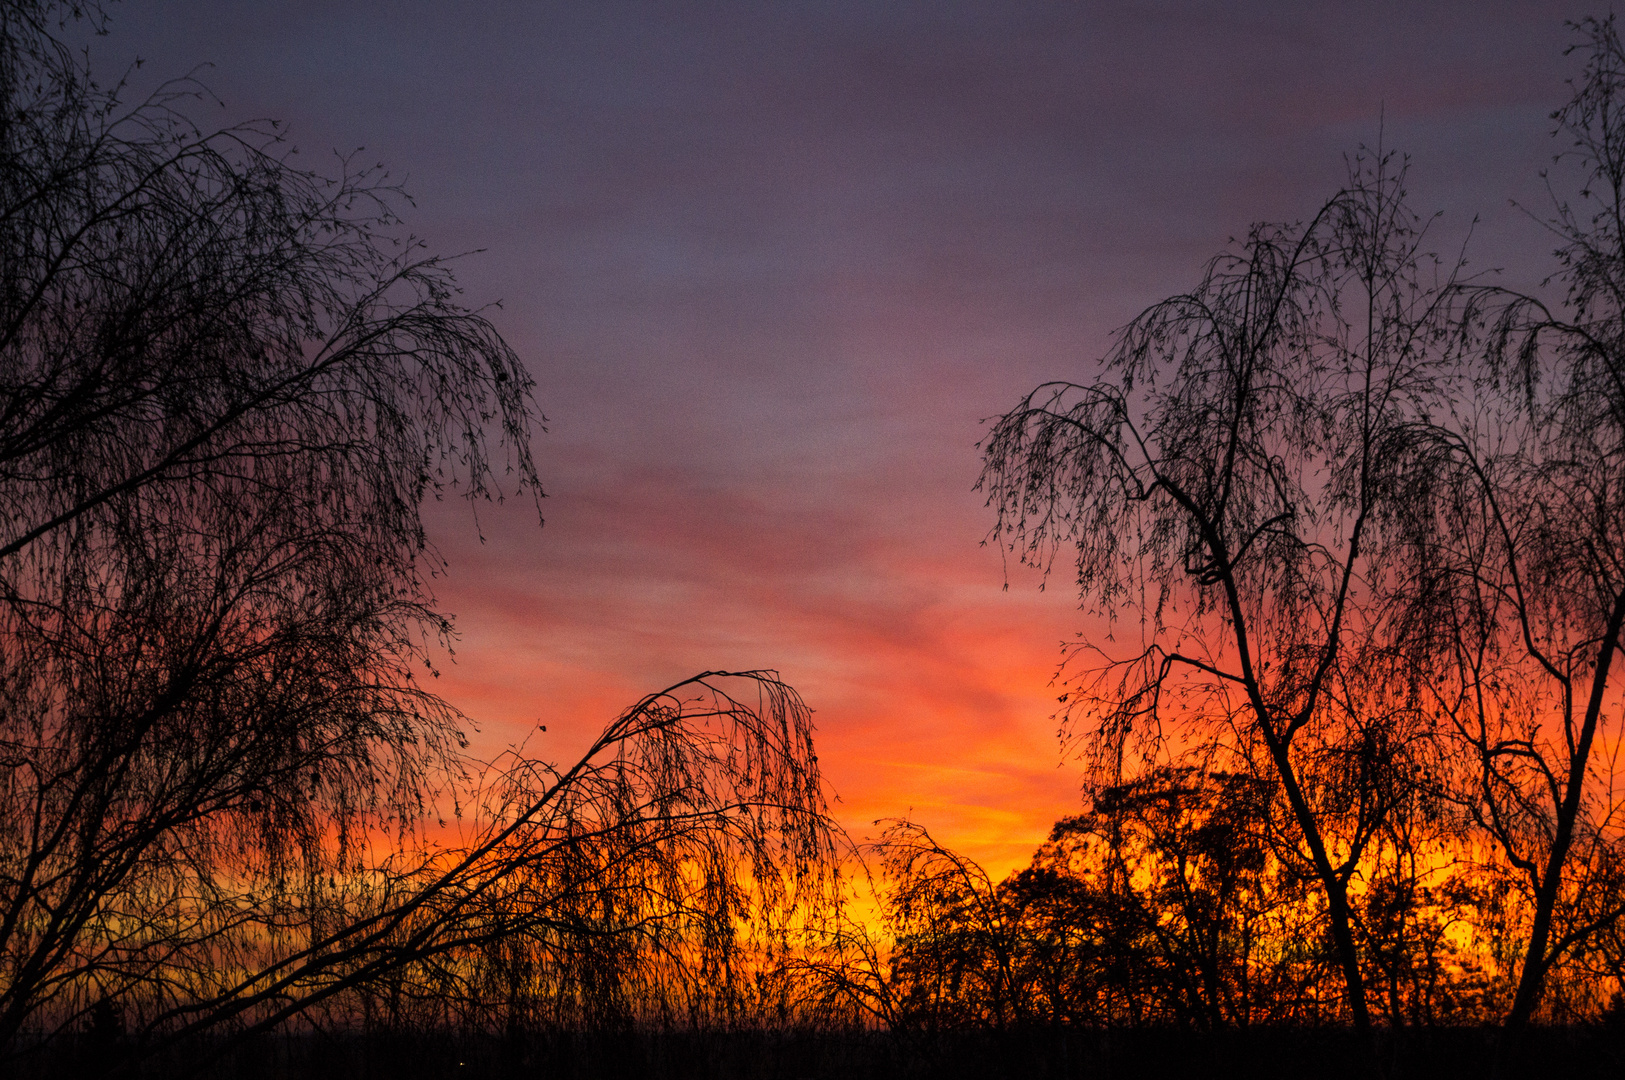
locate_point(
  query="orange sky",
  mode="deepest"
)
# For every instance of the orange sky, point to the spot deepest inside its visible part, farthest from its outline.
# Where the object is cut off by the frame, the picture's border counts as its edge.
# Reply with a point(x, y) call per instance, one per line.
point(930, 684)
point(773, 264)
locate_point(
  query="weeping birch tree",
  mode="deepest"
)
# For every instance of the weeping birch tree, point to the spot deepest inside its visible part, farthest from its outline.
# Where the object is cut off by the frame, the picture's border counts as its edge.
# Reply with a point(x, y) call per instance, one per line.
point(1226, 487)
point(1518, 560)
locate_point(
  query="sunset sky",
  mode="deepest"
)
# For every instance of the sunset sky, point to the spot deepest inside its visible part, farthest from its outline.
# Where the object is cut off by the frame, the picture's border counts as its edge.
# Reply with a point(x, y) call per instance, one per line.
point(773, 264)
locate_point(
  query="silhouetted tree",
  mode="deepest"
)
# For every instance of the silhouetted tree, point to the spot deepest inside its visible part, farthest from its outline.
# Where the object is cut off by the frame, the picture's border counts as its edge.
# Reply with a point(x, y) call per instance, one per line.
point(1229, 480)
point(1519, 558)
point(226, 387)
point(1224, 927)
point(1175, 907)
point(958, 940)
point(648, 881)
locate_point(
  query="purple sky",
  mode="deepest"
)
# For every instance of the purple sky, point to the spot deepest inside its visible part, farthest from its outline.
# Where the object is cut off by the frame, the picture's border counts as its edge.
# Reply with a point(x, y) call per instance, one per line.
point(772, 264)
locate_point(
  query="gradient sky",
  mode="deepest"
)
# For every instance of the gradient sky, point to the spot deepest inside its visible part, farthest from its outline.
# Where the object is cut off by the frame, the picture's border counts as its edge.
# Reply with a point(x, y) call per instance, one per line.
point(772, 264)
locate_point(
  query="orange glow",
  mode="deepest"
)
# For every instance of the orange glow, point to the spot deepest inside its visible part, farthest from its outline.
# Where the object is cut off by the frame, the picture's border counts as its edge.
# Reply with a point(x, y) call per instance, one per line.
point(931, 685)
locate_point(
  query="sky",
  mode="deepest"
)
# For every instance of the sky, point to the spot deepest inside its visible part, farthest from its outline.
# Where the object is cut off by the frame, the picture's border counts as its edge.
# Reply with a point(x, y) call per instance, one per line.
point(774, 265)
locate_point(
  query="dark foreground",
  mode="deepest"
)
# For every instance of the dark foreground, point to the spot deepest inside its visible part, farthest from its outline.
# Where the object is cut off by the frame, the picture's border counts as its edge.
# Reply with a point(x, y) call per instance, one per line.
point(1588, 1051)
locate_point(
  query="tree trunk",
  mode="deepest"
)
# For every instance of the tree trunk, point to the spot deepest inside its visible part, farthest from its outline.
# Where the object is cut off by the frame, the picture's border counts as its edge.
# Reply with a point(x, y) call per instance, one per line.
point(1532, 979)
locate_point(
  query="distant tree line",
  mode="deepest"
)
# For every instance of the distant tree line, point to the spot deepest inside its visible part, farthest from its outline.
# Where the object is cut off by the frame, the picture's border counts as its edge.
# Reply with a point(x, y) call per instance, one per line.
point(1167, 905)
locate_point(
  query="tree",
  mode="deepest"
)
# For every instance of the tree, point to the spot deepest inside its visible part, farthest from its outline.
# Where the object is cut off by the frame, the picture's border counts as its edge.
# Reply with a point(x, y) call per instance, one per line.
point(1518, 560)
point(1188, 859)
point(643, 881)
point(1230, 480)
point(957, 940)
point(226, 387)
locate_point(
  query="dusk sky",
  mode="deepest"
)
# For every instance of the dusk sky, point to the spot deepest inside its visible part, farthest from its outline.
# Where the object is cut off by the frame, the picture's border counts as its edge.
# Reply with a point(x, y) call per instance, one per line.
point(773, 264)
